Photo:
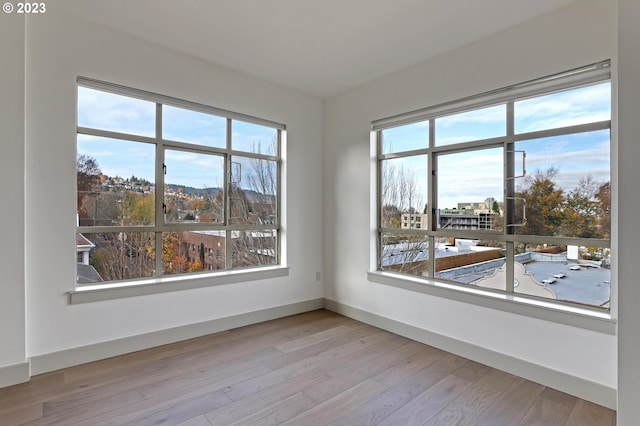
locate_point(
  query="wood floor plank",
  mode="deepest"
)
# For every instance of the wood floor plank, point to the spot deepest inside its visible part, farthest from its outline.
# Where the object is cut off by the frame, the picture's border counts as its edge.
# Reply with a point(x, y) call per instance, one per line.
point(21, 415)
point(558, 397)
point(376, 360)
point(546, 412)
point(357, 372)
point(171, 413)
point(322, 361)
point(196, 421)
point(471, 403)
point(586, 413)
point(339, 405)
point(382, 406)
point(279, 412)
point(413, 364)
point(37, 390)
point(238, 410)
point(308, 351)
point(428, 403)
point(472, 371)
point(313, 338)
point(155, 385)
point(514, 404)
point(366, 352)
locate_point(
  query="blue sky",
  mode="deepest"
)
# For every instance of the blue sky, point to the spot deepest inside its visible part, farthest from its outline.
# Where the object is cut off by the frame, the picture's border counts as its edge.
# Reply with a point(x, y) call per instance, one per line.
point(477, 175)
point(106, 111)
point(462, 177)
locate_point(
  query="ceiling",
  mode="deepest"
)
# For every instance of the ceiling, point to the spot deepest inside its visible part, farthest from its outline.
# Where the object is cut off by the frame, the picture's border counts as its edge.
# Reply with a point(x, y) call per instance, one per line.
point(321, 47)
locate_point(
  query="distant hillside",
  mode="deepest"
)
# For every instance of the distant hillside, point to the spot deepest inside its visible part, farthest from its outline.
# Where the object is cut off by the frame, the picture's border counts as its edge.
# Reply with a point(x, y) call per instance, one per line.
point(252, 196)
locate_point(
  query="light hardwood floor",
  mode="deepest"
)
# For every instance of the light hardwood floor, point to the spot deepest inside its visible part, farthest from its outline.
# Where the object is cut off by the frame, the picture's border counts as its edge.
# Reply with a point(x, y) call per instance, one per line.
point(310, 369)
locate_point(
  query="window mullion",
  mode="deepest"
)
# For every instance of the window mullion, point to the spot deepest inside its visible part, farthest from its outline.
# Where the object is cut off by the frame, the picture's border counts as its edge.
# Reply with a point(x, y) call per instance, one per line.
point(431, 198)
point(509, 201)
point(228, 262)
point(279, 172)
point(379, 200)
point(159, 193)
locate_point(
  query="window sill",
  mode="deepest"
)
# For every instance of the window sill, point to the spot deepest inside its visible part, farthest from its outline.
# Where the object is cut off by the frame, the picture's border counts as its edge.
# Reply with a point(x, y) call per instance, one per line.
point(569, 315)
point(97, 293)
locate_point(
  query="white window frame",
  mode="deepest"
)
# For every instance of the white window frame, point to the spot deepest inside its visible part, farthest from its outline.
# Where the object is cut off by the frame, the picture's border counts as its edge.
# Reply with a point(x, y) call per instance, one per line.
point(160, 283)
point(564, 312)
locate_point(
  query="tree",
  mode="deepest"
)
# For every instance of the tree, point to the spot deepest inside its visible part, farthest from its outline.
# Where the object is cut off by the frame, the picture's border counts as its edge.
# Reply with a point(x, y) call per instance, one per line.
point(88, 178)
point(400, 195)
point(143, 210)
point(603, 209)
point(581, 213)
point(495, 207)
point(259, 179)
point(544, 204)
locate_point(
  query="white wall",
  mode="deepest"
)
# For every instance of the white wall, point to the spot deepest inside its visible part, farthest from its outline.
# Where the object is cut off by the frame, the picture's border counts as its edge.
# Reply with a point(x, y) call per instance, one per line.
point(582, 33)
point(59, 48)
point(12, 249)
point(629, 205)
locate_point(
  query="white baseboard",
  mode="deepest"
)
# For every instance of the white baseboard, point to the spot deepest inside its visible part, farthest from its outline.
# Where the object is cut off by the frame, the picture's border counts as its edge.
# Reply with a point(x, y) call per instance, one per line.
point(573, 385)
point(13, 374)
point(81, 355)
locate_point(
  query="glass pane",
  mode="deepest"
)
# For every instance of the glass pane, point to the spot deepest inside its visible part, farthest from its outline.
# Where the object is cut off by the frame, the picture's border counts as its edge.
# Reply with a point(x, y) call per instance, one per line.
point(570, 107)
point(405, 253)
point(254, 191)
point(404, 192)
point(254, 138)
point(115, 182)
point(193, 251)
point(116, 113)
point(405, 138)
point(184, 125)
point(567, 187)
point(474, 262)
point(114, 256)
point(193, 189)
point(473, 125)
point(470, 190)
point(254, 248)
point(569, 273)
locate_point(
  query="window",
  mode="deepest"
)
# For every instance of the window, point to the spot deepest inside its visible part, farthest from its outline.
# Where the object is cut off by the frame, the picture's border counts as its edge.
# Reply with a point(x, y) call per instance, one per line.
point(508, 191)
point(161, 182)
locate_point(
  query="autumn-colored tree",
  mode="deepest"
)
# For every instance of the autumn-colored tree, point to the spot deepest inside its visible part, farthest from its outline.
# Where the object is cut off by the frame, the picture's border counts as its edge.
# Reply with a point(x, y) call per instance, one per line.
point(143, 212)
point(205, 217)
point(196, 266)
point(198, 205)
point(170, 251)
point(544, 204)
point(179, 264)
